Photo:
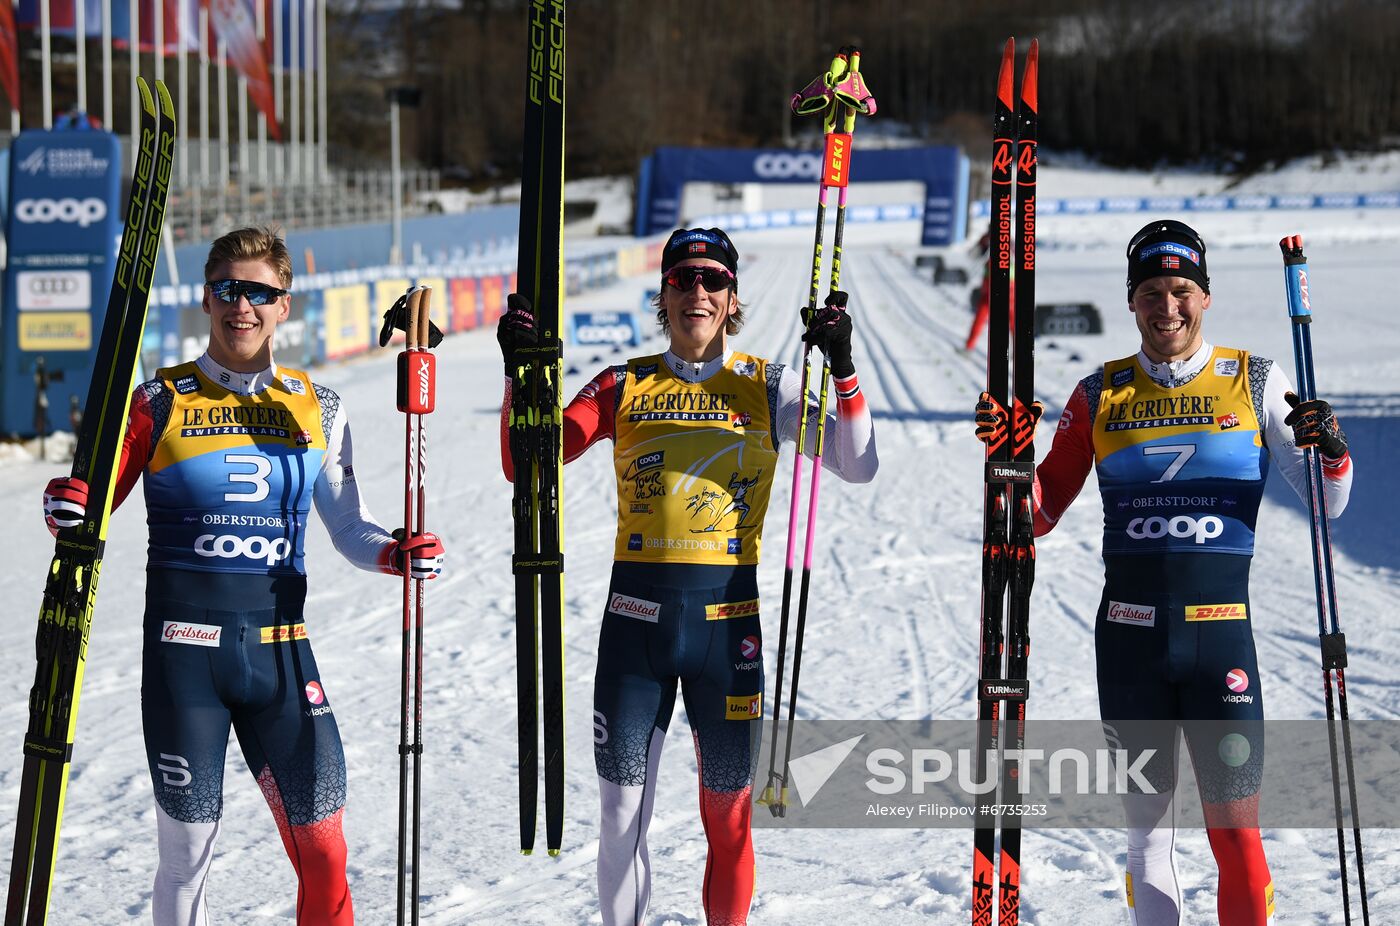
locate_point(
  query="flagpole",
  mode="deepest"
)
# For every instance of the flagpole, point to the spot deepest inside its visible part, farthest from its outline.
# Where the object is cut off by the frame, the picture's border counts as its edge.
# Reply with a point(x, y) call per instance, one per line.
point(158, 15)
point(80, 49)
point(308, 69)
point(203, 95)
point(294, 95)
point(182, 68)
point(223, 127)
point(46, 63)
point(324, 66)
point(134, 59)
point(107, 64)
point(260, 8)
point(244, 155)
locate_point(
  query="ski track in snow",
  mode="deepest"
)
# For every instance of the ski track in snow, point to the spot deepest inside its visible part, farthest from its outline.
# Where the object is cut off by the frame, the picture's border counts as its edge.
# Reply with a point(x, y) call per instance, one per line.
point(892, 629)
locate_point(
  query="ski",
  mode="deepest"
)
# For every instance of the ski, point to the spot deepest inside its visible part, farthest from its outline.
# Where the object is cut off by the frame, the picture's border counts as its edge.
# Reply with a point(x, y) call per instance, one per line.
point(70, 592)
point(1008, 545)
point(1333, 642)
point(536, 422)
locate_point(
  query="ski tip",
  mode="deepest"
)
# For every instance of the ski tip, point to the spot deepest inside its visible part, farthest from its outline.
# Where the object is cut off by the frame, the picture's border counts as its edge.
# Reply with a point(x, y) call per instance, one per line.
point(167, 108)
point(147, 102)
point(1004, 79)
point(1029, 82)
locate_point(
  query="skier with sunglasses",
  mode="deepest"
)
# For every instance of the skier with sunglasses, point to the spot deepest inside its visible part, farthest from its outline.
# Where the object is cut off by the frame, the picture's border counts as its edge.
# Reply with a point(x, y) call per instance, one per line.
point(1181, 434)
point(695, 434)
point(234, 450)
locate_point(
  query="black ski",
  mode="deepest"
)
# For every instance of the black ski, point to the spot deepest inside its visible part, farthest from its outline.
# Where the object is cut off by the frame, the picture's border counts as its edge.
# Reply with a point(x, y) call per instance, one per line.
point(536, 421)
point(1008, 544)
point(65, 617)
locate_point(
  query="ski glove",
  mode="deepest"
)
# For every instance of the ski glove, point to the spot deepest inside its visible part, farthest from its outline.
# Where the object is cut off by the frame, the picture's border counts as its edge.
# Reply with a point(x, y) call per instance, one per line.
point(425, 554)
point(1314, 425)
point(991, 419)
point(516, 329)
point(65, 503)
point(829, 330)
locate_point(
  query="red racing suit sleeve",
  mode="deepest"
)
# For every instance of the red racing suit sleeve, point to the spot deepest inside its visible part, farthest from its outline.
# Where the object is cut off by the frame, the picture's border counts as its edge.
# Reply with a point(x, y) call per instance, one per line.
point(136, 445)
point(1061, 475)
point(587, 419)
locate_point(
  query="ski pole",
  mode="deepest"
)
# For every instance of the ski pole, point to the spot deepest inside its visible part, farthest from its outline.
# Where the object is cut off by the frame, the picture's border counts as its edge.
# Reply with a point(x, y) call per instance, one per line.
point(1332, 640)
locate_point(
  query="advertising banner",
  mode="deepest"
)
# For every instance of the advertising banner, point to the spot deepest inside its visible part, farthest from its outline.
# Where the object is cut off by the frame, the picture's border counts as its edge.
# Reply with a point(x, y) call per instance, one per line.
point(465, 304)
point(347, 320)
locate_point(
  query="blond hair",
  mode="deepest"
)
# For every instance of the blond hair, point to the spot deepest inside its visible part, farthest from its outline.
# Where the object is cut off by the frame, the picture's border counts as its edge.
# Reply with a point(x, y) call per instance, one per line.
point(263, 243)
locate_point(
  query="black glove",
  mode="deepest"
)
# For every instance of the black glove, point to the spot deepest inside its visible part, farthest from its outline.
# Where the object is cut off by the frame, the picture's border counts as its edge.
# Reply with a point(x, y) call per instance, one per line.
point(829, 330)
point(1314, 425)
point(516, 329)
point(991, 418)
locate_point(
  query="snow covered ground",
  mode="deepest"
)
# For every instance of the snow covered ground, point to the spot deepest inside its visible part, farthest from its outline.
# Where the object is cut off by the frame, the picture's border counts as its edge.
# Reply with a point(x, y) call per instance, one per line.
point(892, 633)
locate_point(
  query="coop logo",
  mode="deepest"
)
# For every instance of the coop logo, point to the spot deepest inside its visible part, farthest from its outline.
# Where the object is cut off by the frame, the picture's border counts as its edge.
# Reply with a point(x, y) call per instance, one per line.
point(743, 707)
point(229, 546)
point(1181, 527)
point(787, 166)
point(45, 211)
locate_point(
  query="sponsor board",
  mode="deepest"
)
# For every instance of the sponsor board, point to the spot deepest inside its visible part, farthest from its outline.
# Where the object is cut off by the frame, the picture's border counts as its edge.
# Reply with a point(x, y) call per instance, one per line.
point(49, 290)
point(55, 331)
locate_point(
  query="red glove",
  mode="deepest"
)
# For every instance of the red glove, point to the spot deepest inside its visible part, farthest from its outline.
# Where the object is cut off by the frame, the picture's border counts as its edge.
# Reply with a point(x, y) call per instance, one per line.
point(424, 552)
point(65, 503)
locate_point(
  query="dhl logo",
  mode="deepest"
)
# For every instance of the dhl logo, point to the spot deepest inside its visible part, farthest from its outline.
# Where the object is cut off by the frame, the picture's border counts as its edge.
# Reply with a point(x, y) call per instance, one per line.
point(728, 609)
point(1217, 612)
point(283, 633)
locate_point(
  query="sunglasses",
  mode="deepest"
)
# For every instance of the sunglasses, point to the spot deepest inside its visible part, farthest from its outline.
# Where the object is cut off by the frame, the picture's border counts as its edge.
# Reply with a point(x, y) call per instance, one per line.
point(713, 279)
point(257, 293)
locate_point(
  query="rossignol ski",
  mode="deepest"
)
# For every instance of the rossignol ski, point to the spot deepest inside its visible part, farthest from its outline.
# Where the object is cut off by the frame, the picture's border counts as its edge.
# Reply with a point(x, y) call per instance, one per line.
point(840, 94)
point(70, 592)
point(536, 422)
point(1008, 540)
point(416, 388)
point(1333, 641)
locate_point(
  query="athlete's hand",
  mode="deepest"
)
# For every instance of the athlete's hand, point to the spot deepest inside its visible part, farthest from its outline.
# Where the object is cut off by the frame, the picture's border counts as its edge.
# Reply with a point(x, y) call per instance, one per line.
point(991, 418)
point(1314, 425)
point(425, 555)
point(516, 329)
point(829, 330)
point(65, 503)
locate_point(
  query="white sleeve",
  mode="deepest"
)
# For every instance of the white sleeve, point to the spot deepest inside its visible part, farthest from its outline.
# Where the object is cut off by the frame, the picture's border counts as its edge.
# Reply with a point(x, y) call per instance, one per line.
point(1278, 438)
point(354, 531)
point(850, 432)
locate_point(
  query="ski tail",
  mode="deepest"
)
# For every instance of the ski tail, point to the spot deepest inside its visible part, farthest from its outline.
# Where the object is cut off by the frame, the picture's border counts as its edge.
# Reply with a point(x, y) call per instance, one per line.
point(65, 617)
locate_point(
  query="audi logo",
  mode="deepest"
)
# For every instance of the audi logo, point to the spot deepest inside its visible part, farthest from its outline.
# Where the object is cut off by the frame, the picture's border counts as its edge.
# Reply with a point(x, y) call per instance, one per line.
point(53, 286)
point(788, 166)
point(43, 211)
point(229, 546)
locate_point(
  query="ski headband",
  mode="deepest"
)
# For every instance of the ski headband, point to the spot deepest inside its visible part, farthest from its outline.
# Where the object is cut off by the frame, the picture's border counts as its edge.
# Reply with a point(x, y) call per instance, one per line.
point(1166, 248)
point(711, 243)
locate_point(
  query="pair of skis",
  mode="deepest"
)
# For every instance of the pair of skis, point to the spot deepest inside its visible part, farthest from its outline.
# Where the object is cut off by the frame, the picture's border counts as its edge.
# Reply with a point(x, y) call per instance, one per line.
point(840, 94)
point(1008, 539)
point(70, 592)
point(416, 386)
point(536, 433)
point(1333, 642)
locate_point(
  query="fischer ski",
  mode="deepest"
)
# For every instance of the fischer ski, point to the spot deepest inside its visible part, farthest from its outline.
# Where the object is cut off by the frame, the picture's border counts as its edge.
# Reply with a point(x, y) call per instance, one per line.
point(536, 436)
point(1333, 641)
point(70, 592)
point(842, 94)
point(1008, 545)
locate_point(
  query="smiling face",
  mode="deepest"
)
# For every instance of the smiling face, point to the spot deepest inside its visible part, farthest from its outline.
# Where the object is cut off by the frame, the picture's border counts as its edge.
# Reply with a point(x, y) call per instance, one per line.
point(697, 317)
point(1168, 311)
point(240, 333)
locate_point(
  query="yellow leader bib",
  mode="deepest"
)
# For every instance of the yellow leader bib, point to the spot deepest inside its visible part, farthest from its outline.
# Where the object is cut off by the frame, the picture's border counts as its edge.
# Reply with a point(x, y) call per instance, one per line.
point(694, 463)
point(1181, 469)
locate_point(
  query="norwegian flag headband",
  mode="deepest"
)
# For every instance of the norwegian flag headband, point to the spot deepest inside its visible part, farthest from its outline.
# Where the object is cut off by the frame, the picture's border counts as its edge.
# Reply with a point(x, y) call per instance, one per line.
point(1166, 248)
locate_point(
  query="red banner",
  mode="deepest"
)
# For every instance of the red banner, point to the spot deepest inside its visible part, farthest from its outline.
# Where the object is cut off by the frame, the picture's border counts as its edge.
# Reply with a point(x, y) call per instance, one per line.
point(233, 22)
point(463, 303)
point(9, 53)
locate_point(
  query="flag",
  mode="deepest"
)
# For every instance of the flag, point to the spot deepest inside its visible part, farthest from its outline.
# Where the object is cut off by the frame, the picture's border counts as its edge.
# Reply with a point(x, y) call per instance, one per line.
point(63, 22)
point(9, 53)
point(234, 23)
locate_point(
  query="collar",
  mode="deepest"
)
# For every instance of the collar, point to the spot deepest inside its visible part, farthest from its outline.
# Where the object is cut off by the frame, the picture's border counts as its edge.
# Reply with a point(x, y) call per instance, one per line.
point(232, 380)
point(696, 372)
point(1176, 373)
